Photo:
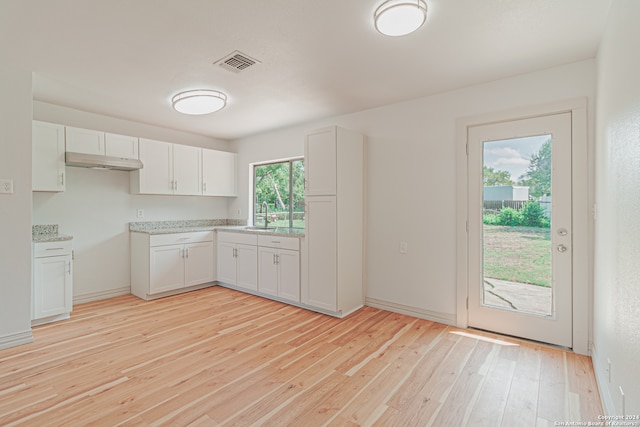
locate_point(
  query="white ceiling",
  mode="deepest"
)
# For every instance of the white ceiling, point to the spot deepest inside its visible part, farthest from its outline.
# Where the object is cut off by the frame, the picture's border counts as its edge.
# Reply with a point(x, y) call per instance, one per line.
point(127, 58)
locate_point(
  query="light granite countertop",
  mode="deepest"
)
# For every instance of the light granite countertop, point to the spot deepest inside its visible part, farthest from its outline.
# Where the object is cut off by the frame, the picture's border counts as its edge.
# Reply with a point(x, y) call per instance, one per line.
point(277, 231)
point(170, 227)
point(47, 233)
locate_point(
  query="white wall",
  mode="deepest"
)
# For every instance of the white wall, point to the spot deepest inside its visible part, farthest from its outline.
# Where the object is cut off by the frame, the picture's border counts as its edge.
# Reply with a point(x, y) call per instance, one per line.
point(412, 179)
point(15, 209)
point(617, 228)
point(96, 207)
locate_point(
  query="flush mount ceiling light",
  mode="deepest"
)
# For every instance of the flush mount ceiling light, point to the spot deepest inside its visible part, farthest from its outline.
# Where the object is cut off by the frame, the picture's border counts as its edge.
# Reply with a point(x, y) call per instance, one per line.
point(201, 101)
point(400, 17)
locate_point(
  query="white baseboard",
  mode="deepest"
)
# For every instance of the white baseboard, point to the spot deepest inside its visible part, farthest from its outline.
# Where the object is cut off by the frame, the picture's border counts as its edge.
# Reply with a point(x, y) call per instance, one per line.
point(96, 296)
point(602, 378)
point(447, 319)
point(13, 340)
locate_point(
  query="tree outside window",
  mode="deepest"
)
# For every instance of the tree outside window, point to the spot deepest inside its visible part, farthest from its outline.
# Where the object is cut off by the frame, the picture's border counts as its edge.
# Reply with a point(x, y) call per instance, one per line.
point(281, 186)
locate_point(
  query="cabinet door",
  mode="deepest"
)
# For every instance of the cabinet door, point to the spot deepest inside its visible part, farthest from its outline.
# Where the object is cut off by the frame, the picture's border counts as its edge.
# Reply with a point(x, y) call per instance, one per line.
point(125, 147)
point(52, 286)
point(156, 175)
point(320, 166)
point(187, 166)
point(289, 275)
point(227, 262)
point(85, 141)
point(47, 157)
point(166, 268)
point(320, 233)
point(247, 267)
point(218, 173)
point(199, 261)
point(268, 271)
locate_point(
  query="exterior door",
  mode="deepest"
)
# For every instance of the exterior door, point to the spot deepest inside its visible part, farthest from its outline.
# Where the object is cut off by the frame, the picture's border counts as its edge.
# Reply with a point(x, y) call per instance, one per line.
point(520, 240)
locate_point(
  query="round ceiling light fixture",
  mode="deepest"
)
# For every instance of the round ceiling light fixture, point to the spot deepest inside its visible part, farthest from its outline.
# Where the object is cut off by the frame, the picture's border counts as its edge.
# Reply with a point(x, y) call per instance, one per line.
point(400, 17)
point(200, 101)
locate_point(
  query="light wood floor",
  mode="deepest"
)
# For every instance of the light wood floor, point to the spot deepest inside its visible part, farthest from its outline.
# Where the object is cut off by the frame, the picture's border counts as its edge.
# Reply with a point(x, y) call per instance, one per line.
point(220, 357)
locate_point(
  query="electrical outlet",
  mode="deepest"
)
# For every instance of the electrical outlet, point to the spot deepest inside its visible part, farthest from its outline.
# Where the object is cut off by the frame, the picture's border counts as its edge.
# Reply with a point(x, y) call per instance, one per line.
point(6, 186)
point(140, 213)
point(403, 247)
point(238, 212)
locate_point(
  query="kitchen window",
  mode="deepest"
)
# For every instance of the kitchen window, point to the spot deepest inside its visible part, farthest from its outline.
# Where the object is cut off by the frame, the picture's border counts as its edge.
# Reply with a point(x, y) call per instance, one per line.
point(278, 194)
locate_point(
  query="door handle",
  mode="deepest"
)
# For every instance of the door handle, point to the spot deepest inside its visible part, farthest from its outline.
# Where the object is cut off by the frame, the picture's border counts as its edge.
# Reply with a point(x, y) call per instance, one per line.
point(561, 248)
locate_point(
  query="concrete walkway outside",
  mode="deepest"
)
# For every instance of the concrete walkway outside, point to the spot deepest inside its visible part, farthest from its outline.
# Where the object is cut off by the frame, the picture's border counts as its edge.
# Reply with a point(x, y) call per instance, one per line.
point(517, 296)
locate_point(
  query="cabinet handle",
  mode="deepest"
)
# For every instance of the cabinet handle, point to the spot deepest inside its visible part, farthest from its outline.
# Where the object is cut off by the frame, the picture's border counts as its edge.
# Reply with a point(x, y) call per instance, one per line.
point(204, 186)
point(186, 251)
point(69, 268)
point(277, 259)
point(54, 249)
point(176, 184)
point(275, 241)
point(62, 178)
point(274, 259)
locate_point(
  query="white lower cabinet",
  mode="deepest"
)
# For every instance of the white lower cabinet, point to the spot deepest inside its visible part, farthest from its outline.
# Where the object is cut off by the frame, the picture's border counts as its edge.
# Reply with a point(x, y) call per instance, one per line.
point(279, 267)
point(238, 260)
point(164, 264)
point(52, 282)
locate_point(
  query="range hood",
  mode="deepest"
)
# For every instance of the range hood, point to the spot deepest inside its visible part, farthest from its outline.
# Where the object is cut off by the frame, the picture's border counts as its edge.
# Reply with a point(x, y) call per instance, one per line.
point(95, 161)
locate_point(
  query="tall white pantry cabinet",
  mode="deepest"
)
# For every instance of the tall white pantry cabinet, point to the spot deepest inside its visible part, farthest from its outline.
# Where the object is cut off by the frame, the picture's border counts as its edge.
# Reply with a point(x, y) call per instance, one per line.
point(332, 278)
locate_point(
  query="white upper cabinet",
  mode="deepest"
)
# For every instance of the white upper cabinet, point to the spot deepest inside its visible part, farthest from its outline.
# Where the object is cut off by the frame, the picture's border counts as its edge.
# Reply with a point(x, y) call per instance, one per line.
point(184, 170)
point(187, 170)
point(100, 143)
point(123, 146)
point(85, 141)
point(156, 176)
point(218, 173)
point(320, 163)
point(48, 173)
point(168, 169)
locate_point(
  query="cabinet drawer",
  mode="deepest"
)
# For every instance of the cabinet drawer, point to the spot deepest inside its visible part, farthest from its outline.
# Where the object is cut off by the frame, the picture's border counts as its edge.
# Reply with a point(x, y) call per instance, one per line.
point(242, 238)
point(292, 243)
point(47, 249)
point(178, 238)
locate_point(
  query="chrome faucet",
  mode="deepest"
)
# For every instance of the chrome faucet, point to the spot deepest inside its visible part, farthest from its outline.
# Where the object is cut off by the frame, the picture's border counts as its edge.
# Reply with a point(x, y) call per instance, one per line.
point(266, 213)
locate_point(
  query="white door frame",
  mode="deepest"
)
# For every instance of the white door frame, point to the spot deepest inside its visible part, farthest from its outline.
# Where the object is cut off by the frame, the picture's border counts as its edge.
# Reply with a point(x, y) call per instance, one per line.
point(580, 208)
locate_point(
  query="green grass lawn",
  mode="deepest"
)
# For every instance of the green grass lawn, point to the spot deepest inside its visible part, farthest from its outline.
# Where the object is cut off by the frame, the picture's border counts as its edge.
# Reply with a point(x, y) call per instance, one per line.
point(518, 254)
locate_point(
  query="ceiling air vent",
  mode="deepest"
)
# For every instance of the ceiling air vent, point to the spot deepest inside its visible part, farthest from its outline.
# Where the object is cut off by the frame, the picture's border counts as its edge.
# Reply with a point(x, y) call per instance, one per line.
point(237, 62)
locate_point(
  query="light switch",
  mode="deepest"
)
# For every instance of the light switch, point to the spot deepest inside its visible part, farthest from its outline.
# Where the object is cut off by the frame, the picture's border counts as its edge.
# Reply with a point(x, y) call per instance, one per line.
point(403, 247)
point(6, 186)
